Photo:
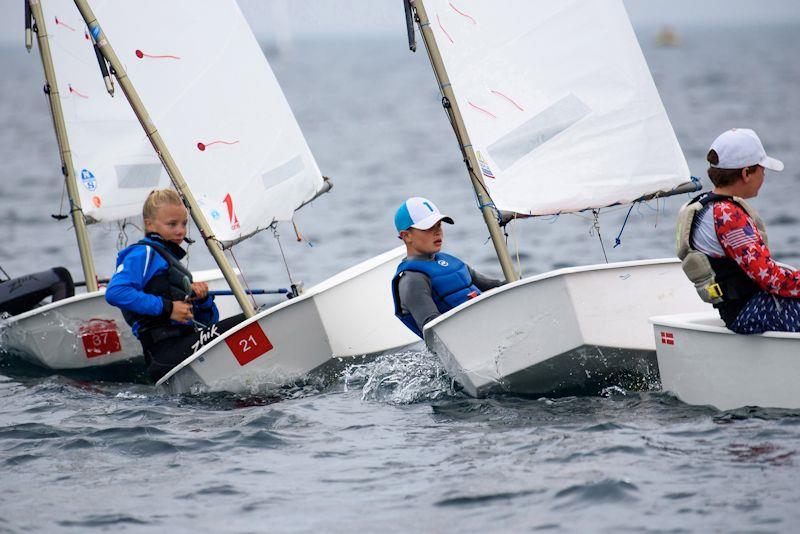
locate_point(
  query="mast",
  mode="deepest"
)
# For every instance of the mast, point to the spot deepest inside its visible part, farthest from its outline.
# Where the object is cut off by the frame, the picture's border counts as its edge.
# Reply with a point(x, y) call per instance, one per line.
point(67, 168)
point(164, 154)
point(470, 159)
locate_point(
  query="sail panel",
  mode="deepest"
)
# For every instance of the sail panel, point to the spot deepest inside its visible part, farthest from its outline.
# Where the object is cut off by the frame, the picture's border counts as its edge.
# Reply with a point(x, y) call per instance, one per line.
point(115, 165)
point(558, 101)
point(214, 99)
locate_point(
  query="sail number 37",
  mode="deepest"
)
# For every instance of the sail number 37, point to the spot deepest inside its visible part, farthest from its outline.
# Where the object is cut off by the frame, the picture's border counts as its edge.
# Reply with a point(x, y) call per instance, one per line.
point(248, 343)
point(99, 337)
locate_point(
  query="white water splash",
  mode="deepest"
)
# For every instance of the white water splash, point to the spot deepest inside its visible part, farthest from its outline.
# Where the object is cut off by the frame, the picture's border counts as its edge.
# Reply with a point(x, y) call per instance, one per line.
point(400, 378)
point(130, 395)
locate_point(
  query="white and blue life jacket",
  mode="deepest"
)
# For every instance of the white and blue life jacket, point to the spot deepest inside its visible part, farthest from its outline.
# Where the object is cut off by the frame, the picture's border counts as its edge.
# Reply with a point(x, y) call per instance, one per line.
point(451, 285)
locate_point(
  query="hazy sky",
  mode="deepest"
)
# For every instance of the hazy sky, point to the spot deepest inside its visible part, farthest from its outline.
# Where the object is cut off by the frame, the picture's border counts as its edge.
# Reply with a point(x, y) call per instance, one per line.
point(375, 17)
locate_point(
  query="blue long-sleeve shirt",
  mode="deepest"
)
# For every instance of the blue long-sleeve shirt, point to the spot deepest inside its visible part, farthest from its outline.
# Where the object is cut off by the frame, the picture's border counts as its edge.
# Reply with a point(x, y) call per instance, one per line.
point(136, 265)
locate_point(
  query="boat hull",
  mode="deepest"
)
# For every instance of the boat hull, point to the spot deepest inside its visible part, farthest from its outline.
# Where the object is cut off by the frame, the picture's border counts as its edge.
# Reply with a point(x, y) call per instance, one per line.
point(701, 362)
point(346, 316)
point(85, 331)
point(564, 331)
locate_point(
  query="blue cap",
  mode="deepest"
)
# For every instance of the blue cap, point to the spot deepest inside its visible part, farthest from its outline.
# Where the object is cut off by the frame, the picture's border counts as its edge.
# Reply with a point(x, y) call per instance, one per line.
point(420, 213)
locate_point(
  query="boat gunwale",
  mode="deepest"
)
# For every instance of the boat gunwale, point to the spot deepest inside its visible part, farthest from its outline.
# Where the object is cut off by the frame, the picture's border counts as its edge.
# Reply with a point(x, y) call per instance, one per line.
point(685, 321)
point(564, 271)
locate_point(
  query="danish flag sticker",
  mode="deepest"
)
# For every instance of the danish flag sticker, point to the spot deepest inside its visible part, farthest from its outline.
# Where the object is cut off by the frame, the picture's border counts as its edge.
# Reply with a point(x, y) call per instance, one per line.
point(248, 343)
point(667, 338)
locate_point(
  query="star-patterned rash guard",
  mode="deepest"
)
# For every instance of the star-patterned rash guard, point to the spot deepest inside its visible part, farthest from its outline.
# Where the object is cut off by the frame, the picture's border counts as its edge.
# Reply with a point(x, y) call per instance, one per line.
point(742, 242)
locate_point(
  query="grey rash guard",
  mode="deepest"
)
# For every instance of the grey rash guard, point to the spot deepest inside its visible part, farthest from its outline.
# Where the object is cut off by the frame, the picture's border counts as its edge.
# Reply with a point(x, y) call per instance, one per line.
point(415, 291)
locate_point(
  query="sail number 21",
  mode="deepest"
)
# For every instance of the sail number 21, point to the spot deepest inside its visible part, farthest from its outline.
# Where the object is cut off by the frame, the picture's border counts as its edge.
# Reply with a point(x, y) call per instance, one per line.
point(248, 343)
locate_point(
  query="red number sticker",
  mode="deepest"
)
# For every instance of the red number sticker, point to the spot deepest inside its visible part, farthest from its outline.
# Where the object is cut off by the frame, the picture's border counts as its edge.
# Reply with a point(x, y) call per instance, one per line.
point(99, 337)
point(248, 343)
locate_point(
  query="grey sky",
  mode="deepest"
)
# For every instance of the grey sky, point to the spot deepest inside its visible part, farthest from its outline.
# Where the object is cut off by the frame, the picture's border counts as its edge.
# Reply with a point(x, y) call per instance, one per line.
point(307, 18)
point(349, 17)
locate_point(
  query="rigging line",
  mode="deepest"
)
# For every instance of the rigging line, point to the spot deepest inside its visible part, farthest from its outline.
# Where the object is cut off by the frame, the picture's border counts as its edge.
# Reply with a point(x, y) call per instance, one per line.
point(241, 273)
point(61, 216)
point(516, 245)
point(581, 216)
point(596, 228)
point(618, 240)
point(189, 242)
point(5, 273)
point(61, 203)
point(122, 235)
point(283, 256)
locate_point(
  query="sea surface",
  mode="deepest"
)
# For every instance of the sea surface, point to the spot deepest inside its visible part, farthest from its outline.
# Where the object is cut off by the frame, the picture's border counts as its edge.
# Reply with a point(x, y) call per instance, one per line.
point(391, 445)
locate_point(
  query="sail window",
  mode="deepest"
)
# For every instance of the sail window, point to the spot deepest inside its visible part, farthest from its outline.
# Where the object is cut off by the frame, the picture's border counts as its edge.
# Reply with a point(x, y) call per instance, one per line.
point(284, 171)
point(538, 130)
point(138, 176)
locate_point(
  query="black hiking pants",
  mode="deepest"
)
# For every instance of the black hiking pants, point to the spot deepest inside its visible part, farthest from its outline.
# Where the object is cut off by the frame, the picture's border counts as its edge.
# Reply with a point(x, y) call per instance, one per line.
point(165, 354)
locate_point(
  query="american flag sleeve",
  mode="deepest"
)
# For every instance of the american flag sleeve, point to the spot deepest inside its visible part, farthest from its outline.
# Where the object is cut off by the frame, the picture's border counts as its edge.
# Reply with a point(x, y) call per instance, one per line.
point(741, 241)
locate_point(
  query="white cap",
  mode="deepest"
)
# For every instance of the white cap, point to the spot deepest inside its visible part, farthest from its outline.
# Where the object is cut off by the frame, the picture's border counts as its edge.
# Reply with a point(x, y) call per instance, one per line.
point(419, 213)
point(739, 148)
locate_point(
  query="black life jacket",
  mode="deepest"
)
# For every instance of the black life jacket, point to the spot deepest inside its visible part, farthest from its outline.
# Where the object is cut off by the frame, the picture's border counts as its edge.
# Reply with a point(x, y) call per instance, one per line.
point(172, 284)
point(724, 284)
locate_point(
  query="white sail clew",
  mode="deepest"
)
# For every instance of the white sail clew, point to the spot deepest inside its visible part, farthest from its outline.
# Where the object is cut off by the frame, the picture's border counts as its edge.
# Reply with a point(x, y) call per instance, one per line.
point(115, 165)
point(214, 99)
point(558, 101)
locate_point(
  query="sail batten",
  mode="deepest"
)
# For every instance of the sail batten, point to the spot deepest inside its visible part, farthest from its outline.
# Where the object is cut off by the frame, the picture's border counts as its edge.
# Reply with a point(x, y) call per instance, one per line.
point(558, 101)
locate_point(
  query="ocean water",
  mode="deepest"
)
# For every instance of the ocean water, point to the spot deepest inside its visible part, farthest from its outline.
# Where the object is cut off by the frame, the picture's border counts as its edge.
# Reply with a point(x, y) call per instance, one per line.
point(391, 444)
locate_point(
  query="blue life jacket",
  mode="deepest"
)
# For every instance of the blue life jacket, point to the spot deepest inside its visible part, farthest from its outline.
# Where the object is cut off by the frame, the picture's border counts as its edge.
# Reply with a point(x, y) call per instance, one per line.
point(450, 281)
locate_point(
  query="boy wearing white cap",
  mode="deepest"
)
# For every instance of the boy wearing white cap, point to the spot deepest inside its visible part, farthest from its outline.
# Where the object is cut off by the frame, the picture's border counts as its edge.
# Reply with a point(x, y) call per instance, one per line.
point(722, 242)
point(429, 282)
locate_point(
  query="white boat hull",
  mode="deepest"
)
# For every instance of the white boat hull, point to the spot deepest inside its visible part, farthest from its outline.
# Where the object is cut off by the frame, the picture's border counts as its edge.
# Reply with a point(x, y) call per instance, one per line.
point(348, 315)
point(703, 363)
point(567, 331)
point(85, 331)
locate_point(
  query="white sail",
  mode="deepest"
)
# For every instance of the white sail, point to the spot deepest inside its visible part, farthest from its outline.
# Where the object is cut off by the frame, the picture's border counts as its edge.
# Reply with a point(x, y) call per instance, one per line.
point(558, 101)
point(214, 99)
point(115, 165)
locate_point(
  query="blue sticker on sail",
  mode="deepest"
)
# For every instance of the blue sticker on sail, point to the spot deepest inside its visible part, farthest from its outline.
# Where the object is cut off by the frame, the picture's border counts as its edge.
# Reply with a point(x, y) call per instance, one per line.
point(214, 214)
point(485, 169)
point(88, 179)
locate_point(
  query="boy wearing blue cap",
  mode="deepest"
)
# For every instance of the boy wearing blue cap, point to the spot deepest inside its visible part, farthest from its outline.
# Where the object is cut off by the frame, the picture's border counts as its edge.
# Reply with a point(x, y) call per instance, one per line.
point(429, 282)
